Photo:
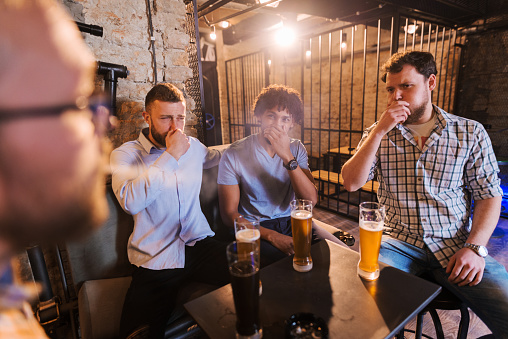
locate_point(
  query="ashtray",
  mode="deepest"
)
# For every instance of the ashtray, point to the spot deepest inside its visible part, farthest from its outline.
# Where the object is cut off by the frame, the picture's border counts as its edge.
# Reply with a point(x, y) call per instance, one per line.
point(305, 326)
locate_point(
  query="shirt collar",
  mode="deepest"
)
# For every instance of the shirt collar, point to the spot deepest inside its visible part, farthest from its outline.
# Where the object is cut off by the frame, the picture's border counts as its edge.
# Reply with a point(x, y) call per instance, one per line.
point(145, 142)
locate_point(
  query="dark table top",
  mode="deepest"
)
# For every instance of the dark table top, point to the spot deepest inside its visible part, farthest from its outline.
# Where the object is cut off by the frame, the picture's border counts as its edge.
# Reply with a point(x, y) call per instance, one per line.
point(332, 290)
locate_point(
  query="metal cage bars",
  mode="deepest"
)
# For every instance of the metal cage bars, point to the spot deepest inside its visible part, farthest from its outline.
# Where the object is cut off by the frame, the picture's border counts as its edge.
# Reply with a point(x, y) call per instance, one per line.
point(338, 77)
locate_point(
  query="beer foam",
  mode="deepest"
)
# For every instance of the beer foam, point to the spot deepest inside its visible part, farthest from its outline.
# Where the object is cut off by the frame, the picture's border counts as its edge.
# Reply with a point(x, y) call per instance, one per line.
point(248, 235)
point(301, 214)
point(372, 226)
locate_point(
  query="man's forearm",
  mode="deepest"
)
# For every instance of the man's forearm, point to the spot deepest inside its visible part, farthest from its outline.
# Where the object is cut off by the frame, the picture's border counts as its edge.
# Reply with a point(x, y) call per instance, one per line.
point(355, 171)
point(485, 218)
point(303, 186)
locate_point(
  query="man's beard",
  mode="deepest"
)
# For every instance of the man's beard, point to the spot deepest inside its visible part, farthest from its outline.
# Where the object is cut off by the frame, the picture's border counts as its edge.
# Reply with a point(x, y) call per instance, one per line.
point(38, 214)
point(416, 114)
point(158, 137)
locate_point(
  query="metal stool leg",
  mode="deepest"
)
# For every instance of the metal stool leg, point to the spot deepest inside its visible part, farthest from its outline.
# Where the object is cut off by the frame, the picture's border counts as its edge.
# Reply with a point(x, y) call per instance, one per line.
point(437, 324)
point(464, 322)
point(419, 325)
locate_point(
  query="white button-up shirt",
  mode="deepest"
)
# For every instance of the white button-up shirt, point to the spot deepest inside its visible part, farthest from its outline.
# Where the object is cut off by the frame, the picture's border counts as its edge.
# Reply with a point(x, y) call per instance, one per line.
point(162, 194)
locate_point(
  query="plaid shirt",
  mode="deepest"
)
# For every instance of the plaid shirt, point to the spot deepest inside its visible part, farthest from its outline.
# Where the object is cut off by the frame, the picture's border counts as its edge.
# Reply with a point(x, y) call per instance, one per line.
point(427, 193)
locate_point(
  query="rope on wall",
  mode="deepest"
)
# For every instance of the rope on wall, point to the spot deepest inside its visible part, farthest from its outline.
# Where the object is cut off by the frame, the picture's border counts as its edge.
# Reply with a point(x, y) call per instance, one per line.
point(152, 40)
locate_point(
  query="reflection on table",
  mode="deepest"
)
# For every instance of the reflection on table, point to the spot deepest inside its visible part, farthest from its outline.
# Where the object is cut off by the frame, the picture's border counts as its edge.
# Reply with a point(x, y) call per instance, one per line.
point(332, 290)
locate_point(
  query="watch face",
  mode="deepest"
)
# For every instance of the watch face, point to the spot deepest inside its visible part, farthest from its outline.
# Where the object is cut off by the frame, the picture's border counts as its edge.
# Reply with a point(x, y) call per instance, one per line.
point(293, 164)
point(482, 251)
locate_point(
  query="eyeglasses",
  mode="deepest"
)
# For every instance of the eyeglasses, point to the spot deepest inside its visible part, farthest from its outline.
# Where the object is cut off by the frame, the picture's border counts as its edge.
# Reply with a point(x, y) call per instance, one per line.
point(96, 105)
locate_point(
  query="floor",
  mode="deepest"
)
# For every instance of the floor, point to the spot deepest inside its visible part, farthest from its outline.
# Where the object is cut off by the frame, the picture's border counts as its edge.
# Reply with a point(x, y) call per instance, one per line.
point(498, 248)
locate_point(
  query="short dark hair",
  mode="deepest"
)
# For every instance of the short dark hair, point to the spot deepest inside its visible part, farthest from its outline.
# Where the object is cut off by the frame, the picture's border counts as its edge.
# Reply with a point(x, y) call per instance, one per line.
point(164, 92)
point(422, 61)
point(282, 97)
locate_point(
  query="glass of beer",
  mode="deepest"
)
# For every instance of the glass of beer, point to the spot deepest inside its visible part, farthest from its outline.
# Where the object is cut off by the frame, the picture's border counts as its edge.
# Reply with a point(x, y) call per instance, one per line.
point(247, 229)
point(372, 217)
point(244, 271)
point(301, 226)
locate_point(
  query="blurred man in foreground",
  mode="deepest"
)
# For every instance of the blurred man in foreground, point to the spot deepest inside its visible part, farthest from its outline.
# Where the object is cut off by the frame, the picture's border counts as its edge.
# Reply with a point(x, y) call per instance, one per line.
point(51, 179)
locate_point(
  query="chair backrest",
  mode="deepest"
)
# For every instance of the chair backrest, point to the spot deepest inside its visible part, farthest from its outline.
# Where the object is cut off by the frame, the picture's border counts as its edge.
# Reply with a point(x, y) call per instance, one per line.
point(103, 254)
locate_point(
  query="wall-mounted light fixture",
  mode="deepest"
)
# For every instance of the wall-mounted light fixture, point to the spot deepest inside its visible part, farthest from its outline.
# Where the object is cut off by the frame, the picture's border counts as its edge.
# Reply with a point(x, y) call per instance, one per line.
point(411, 29)
point(308, 59)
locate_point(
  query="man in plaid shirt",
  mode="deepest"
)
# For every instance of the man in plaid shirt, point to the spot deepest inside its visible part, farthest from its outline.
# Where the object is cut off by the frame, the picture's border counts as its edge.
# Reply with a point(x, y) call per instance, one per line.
point(430, 165)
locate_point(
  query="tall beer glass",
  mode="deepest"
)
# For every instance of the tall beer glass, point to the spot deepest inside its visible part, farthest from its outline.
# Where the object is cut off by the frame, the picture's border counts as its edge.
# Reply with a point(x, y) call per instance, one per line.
point(372, 217)
point(301, 225)
point(244, 271)
point(247, 229)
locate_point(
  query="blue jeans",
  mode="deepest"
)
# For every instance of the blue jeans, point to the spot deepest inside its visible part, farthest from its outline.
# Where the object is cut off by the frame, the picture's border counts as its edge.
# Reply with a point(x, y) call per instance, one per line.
point(488, 299)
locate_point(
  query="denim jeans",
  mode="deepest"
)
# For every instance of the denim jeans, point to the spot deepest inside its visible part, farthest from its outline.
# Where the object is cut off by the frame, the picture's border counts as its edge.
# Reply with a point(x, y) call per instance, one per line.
point(488, 299)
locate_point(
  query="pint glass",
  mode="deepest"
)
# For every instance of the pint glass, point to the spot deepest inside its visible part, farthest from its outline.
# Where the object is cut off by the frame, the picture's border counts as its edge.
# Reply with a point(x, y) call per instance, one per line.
point(372, 217)
point(301, 226)
point(247, 230)
point(244, 271)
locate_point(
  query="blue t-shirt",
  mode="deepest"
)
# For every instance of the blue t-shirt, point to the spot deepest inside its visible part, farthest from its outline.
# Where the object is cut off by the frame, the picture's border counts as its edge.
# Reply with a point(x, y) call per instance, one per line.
point(265, 187)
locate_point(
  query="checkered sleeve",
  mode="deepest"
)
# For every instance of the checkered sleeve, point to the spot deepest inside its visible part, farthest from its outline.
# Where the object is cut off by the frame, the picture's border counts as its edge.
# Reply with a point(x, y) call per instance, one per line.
point(481, 170)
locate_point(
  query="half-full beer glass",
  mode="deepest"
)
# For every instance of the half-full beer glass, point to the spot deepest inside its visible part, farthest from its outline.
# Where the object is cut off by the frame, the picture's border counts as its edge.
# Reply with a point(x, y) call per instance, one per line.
point(301, 226)
point(372, 217)
point(244, 271)
point(247, 229)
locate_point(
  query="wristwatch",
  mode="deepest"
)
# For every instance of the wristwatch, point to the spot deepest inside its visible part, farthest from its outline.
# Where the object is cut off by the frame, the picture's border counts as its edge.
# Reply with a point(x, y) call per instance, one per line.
point(479, 249)
point(292, 165)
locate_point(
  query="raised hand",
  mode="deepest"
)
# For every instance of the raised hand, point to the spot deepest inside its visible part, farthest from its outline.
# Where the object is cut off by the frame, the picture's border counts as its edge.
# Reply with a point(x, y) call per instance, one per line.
point(177, 143)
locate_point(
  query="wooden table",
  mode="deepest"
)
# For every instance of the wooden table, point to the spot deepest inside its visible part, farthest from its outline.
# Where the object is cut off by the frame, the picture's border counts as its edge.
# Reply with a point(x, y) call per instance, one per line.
point(332, 290)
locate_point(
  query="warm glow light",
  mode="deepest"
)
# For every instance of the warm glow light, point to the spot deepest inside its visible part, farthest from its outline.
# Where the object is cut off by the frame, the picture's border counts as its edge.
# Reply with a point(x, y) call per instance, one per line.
point(224, 24)
point(308, 53)
point(273, 4)
point(411, 29)
point(269, 62)
point(343, 45)
point(285, 36)
point(213, 36)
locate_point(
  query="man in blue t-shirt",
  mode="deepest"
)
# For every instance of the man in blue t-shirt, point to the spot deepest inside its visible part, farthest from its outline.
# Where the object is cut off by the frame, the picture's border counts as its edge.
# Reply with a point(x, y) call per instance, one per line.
point(260, 174)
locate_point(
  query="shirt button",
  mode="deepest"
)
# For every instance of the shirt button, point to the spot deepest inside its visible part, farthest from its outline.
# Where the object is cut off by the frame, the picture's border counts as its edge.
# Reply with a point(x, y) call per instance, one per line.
point(420, 179)
point(424, 219)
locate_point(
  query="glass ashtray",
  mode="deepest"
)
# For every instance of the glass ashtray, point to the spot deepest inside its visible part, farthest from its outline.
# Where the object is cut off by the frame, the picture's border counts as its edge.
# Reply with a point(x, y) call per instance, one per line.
point(305, 326)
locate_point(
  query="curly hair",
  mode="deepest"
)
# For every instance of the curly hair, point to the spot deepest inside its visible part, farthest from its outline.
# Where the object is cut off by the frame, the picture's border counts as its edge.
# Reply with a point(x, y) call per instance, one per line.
point(164, 92)
point(282, 97)
point(422, 61)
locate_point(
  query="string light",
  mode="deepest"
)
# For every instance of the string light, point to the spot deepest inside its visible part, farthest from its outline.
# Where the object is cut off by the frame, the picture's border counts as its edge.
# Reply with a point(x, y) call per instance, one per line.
point(213, 36)
point(224, 24)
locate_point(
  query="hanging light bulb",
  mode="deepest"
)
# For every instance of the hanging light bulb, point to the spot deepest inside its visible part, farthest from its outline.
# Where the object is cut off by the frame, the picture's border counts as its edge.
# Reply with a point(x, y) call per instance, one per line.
point(213, 36)
point(285, 36)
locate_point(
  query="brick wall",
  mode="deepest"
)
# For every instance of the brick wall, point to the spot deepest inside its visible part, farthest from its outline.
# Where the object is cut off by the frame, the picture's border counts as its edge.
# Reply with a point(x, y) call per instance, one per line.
point(126, 41)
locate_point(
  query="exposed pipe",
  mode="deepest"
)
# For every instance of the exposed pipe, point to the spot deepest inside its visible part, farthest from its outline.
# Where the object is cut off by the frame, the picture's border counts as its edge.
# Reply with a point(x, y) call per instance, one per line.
point(111, 74)
point(213, 7)
point(90, 29)
point(40, 272)
point(256, 6)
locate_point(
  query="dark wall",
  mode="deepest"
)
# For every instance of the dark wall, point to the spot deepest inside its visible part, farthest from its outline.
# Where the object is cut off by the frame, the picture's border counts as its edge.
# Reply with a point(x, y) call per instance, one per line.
point(483, 85)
